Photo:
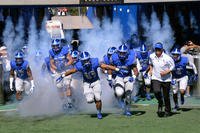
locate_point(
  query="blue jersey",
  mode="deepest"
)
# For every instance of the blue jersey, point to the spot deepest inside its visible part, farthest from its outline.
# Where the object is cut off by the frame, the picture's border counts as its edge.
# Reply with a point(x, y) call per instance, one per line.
point(60, 58)
point(144, 60)
point(125, 64)
point(91, 75)
point(180, 68)
point(107, 60)
point(20, 70)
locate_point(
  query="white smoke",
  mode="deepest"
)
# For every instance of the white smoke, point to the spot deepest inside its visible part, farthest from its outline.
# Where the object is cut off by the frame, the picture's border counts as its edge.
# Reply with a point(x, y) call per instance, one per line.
point(19, 29)
point(45, 99)
point(33, 43)
point(68, 36)
point(146, 26)
point(44, 39)
point(193, 23)
point(9, 35)
point(155, 28)
point(132, 23)
point(181, 20)
point(97, 40)
point(155, 32)
point(167, 34)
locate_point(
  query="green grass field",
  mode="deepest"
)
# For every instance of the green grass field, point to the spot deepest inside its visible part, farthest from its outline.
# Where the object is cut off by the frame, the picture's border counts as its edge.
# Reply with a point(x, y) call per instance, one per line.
point(144, 120)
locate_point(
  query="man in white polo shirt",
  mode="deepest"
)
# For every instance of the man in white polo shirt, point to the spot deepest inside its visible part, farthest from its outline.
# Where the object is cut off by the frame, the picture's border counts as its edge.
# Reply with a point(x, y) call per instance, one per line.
point(161, 66)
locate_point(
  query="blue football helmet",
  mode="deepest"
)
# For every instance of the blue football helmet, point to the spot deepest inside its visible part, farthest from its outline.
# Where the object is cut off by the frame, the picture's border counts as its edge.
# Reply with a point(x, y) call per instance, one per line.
point(176, 54)
point(123, 52)
point(56, 45)
point(158, 45)
point(111, 51)
point(75, 55)
point(143, 49)
point(85, 59)
point(19, 58)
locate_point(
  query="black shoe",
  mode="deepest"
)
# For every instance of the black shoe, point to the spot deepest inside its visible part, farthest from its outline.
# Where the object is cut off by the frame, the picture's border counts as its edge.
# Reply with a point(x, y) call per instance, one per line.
point(159, 112)
point(176, 108)
point(167, 114)
point(182, 100)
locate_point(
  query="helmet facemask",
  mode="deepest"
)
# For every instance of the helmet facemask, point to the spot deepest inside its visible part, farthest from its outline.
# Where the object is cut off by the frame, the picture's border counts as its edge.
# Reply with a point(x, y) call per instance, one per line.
point(56, 48)
point(122, 55)
point(86, 63)
point(19, 61)
point(176, 57)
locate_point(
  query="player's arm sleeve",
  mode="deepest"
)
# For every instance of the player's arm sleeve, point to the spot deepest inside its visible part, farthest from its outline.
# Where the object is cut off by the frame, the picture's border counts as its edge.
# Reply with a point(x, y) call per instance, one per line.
point(70, 60)
point(135, 69)
point(183, 49)
point(108, 67)
point(71, 71)
point(12, 74)
point(139, 67)
point(29, 72)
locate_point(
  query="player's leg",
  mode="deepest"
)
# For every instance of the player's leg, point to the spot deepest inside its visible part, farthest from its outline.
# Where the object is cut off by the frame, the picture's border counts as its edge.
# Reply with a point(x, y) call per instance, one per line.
point(27, 86)
point(96, 86)
point(147, 83)
point(137, 86)
point(88, 92)
point(67, 82)
point(119, 91)
point(175, 94)
point(19, 88)
point(182, 86)
point(128, 91)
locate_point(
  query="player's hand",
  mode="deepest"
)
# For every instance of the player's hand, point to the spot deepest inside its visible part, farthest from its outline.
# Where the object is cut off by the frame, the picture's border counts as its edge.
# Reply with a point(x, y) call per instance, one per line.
point(31, 90)
point(173, 82)
point(59, 79)
point(163, 73)
point(195, 77)
point(11, 87)
point(131, 79)
point(145, 75)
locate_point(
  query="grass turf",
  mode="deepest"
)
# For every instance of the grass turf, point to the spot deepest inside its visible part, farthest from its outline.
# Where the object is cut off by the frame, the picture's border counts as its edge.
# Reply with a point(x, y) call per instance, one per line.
point(144, 120)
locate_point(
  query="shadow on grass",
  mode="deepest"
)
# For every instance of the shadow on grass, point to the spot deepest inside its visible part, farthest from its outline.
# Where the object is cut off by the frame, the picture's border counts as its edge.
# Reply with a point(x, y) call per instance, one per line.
point(138, 113)
point(163, 115)
point(103, 114)
point(185, 109)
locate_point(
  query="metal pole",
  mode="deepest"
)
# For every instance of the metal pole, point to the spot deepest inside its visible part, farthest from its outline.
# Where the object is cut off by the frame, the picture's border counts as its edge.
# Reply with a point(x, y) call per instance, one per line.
point(2, 100)
point(196, 89)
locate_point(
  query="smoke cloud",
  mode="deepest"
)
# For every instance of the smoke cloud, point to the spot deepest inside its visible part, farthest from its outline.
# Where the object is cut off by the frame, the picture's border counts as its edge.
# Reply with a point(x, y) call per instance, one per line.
point(155, 32)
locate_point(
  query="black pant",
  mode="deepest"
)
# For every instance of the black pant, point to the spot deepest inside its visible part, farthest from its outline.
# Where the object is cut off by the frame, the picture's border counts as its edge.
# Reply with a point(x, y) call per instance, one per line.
point(165, 86)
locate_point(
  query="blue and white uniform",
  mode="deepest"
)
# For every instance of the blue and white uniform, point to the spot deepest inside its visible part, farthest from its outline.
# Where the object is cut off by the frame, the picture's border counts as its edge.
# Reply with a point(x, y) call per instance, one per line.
point(22, 83)
point(91, 82)
point(123, 79)
point(143, 61)
point(179, 74)
point(60, 61)
point(59, 58)
point(125, 60)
